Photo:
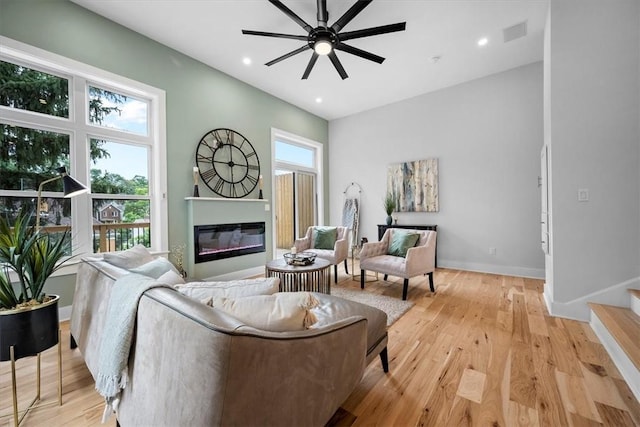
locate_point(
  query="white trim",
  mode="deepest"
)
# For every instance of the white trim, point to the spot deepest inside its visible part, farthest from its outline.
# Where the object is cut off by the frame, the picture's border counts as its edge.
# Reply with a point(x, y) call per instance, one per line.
point(64, 313)
point(626, 367)
point(578, 309)
point(535, 273)
point(635, 304)
point(319, 171)
point(236, 275)
point(80, 75)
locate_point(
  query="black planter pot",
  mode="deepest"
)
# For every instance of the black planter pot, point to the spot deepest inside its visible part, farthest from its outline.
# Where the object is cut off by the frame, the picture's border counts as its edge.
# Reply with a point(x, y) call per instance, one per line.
point(30, 330)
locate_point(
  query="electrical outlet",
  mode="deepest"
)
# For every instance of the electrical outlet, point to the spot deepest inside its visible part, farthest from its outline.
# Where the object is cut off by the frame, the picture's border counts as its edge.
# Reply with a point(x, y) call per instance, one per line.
point(492, 251)
point(583, 194)
point(267, 207)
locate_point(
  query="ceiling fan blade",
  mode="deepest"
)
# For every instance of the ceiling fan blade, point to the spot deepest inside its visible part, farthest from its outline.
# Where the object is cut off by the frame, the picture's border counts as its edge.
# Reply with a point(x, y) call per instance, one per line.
point(373, 31)
point(279, 35)
point(336, 63)
point(312, 62)
point(288, 55)
point(323, 14)
point(359, 52)
point(358, 6)
point(292, 15)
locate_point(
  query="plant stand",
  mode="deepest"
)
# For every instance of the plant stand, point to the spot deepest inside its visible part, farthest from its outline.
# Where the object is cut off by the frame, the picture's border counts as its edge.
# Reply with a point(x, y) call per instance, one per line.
point(17, 418)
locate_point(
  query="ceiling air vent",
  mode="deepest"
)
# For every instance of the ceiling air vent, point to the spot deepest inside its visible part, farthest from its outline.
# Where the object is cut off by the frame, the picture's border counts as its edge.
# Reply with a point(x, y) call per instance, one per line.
point(515, 31)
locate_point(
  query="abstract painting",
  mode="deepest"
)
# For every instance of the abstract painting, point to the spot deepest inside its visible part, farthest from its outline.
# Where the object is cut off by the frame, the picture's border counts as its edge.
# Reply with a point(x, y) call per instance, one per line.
point(414, 185)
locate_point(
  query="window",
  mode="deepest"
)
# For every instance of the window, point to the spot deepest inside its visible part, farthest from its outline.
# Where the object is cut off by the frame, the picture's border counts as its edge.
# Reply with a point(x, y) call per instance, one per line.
point(106, 130)
point(297, 187)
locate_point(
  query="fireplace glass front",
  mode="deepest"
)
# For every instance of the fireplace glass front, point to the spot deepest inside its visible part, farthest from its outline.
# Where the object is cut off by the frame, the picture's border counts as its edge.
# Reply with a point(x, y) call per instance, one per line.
point(219, 241)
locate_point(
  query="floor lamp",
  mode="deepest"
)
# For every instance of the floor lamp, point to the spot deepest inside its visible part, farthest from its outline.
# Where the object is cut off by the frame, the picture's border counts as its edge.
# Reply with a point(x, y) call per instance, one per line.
point(70, 187)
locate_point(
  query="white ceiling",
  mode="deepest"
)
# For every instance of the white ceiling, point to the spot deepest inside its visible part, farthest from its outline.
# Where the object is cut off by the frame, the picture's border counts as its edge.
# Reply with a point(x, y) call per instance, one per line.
point(210, 31)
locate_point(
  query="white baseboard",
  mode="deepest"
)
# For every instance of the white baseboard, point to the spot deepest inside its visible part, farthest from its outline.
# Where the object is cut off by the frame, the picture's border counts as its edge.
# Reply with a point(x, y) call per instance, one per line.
point(241, 274)
point(635, 304)
point(578, 309)
point(534, 273)
point(626, 367)
point(64, 313)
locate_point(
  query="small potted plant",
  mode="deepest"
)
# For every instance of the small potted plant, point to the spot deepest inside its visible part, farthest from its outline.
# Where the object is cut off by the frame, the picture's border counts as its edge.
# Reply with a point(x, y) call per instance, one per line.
point(389, 204)
point(28, 316)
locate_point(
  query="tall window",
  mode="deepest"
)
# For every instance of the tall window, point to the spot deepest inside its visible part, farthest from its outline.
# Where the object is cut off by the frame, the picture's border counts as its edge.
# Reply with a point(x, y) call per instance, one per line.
point(109, 133)
point(297, 178)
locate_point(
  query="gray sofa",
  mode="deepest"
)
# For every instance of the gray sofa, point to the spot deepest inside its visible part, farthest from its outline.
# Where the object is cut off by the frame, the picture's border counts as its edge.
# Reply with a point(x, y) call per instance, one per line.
point(193, 365)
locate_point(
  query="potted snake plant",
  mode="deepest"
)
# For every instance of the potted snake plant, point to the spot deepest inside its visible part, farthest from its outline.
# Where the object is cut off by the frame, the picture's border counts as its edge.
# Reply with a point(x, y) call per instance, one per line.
point(389, 204)
point(28, 316)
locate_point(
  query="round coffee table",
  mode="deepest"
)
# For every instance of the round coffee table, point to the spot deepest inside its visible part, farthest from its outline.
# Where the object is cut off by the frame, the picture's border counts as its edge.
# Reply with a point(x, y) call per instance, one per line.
point(315, 277)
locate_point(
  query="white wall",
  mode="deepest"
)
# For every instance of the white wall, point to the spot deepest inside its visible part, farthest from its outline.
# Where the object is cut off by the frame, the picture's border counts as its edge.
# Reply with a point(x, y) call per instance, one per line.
point(594, 109)
point(487, 135)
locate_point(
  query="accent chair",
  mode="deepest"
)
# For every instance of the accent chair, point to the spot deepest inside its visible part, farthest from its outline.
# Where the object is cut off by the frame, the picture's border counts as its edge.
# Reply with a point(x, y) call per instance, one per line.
point(401, 253)
point(337, 253)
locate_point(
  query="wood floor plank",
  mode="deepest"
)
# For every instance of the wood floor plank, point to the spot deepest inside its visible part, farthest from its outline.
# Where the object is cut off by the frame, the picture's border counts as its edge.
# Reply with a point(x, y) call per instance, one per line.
point(548, 400)
point(614, 416)
point(520, 416)
point(575, 398)
point(564, 354)
point(474, 322)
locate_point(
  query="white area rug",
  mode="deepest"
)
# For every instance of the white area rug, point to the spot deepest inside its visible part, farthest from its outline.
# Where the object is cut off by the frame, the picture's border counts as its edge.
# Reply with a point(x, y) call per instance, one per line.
point(394, 307)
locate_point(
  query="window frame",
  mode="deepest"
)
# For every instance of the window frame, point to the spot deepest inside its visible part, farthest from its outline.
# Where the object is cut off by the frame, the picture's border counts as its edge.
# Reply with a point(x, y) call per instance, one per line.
point(80, 131)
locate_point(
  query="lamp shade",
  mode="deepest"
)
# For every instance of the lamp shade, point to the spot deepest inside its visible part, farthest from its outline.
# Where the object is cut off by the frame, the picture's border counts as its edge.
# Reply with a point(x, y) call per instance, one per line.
point(70, 186)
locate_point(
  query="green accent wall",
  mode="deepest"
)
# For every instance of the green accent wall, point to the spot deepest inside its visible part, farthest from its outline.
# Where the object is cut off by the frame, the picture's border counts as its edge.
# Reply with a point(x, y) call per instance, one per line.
point(199, 98)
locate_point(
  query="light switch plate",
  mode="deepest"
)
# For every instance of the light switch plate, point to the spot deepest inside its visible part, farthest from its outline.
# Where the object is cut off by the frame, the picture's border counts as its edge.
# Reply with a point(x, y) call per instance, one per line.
point(583, 194)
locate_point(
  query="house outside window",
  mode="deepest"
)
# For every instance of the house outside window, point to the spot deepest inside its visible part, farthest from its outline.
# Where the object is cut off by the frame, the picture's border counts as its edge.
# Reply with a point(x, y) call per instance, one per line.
point(108, 131)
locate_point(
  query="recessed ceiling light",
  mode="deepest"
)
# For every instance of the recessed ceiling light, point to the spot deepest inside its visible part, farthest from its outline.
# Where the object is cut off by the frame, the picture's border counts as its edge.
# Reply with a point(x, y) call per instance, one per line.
point(483, 42)
point(246, 60)
point(319, 100)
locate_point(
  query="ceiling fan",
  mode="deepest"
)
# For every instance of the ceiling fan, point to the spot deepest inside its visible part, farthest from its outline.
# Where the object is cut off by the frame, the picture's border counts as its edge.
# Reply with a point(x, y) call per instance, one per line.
point(325, 40)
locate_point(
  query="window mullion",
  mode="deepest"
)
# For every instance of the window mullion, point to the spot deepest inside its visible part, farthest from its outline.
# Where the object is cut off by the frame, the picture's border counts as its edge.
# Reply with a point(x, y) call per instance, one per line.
point(80, 169)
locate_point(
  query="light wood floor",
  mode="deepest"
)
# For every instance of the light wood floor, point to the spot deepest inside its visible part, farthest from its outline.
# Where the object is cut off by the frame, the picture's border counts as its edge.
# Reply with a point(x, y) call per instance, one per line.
point(481, 351)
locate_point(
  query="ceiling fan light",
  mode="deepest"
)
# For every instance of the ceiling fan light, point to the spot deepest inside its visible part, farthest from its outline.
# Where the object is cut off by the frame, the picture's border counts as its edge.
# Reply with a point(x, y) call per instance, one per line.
point(322, 47)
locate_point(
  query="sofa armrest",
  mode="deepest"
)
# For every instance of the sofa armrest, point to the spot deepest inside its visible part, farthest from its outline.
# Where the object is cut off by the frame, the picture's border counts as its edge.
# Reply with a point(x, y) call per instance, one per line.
point(371, 249)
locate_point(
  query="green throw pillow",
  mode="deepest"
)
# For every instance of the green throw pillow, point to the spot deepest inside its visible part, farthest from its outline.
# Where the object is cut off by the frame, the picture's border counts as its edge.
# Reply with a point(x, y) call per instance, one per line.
point(401, 242)
point(325, 237)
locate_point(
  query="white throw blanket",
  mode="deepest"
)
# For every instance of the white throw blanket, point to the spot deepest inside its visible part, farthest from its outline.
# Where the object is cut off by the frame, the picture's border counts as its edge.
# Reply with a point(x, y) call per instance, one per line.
point(351, 217)
point(118, 334)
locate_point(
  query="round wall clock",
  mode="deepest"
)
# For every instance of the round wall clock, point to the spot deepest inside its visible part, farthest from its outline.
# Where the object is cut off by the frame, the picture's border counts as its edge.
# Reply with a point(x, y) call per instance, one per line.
point(228, 163)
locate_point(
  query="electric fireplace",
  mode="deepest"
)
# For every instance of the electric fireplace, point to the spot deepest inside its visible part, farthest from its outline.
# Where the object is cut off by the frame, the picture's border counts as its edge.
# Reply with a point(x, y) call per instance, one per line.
point(219, 241)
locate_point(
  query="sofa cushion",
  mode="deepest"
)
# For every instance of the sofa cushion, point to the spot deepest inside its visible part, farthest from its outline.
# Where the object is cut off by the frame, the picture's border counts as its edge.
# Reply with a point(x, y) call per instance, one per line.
point(401, 242)
point(230, 289)
point(280, 312)
point(171, 278)
point(324, 237)
point(154, 268)
point(131, 258)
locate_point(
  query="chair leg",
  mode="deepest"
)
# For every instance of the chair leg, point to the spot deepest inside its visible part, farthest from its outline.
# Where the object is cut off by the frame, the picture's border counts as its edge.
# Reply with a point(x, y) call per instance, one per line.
point(335, 273)
point(384, 358)
point(362, 273)
point(431, 282)
point(346, 269)
point(405, 288)
point(385, 276)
